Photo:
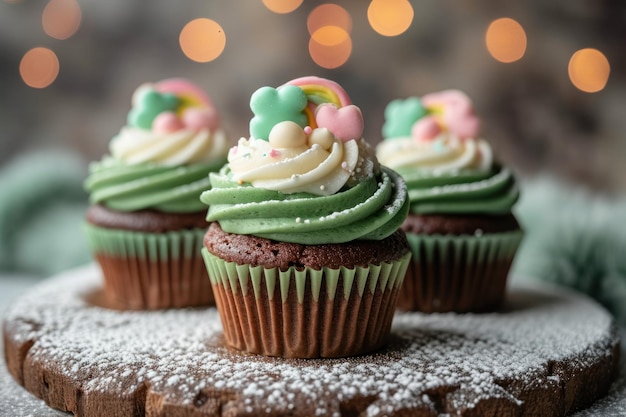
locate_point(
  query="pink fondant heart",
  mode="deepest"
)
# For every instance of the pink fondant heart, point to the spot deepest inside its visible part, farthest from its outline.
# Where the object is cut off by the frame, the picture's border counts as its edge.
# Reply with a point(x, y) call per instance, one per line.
point(346, 123)
point(195, 118)
point(458, 113)
point(167, 122)
point(465, 128)
point(426, 129)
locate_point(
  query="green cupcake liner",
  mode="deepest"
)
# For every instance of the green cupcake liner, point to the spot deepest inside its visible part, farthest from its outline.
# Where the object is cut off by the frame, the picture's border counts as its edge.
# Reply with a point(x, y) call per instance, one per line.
point(151, 270)
point(237, 278)
point(309, 313)
point(153, 246)
point(462, 273)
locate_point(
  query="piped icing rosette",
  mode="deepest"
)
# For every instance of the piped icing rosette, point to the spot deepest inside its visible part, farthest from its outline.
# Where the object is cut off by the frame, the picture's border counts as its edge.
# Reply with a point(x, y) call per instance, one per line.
point(306, 175)
point(162, 157)
point(433, 143)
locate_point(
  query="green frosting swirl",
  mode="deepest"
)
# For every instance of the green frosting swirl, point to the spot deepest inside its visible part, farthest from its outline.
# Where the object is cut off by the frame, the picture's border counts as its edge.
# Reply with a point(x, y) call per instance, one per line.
point(371, 210)
point(466, 191)
point(124, 187)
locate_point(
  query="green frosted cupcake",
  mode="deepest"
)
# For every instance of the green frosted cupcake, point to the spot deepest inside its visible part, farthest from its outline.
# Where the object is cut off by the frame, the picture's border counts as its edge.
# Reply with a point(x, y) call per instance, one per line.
point(462, 232)
point(304, 253)
point(146, 223)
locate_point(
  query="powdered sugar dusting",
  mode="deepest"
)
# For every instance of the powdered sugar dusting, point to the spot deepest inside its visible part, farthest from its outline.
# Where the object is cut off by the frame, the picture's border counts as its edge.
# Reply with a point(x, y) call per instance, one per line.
point(178, 354)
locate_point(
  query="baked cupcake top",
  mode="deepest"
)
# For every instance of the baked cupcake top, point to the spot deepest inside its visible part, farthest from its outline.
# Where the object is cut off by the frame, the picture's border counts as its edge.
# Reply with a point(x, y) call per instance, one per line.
point(434, 143)
point(305, 174)
point(161, 159)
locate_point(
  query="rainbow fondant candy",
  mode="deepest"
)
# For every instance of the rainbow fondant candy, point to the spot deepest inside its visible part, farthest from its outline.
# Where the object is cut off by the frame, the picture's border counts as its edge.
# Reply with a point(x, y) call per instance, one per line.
point(305, 137)
point(426, 118)
point(172, 105)
point(307, 101)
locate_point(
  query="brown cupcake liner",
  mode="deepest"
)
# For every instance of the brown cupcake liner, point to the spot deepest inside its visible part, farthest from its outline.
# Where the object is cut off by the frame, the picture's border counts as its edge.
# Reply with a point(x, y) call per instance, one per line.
point(305, 314)
point(461, 273)
point(148, 271)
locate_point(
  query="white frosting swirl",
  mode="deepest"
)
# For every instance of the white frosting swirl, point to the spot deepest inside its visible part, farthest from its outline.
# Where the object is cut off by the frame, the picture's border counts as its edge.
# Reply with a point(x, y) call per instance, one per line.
point(446, 153)
point(182, 147)
point(292, 162)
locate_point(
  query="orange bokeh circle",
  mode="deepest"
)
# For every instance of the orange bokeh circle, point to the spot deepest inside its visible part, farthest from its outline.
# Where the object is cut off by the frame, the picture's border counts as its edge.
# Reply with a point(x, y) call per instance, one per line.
point(202, 40)
point(39, 67)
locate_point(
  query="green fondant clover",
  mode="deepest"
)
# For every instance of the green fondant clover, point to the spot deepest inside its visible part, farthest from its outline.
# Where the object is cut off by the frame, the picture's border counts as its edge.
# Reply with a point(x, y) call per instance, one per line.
point(271, 106)
point(400, 115)
point(149, 105)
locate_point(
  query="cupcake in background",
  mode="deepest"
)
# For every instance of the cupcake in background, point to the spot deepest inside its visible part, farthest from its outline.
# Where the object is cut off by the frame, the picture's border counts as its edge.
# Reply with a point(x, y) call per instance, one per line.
point(462, 232)
point(304, 251)
point(146, 222)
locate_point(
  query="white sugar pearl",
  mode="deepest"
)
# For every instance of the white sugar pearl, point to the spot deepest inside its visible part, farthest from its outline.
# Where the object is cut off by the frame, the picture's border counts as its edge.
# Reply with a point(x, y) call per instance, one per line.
point(323, 137)
point(287, 135)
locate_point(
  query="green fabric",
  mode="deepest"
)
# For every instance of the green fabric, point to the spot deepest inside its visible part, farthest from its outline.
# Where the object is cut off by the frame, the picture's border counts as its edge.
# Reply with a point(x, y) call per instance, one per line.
point(42, 205)
point(575, 238)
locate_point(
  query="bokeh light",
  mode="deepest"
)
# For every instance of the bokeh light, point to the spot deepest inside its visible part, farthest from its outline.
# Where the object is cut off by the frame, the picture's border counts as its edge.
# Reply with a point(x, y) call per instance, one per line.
point(329, 15)
point(589, 70)
point(390, 17)
point(330, 35)
point(506, 40)
point(330, 45)
point(202, 40)
point(61, 18)
point(332, 56)
point(39, 67)
point(282, 6)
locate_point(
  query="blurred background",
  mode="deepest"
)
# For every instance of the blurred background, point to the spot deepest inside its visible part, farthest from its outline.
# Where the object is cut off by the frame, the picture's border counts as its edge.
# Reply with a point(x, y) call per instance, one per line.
point(547, 78)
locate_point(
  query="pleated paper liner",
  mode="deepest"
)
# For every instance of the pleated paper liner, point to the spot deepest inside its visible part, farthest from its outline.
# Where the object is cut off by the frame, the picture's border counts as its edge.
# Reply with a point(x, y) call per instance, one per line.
point(309, 313)
point(151, 270)
point(462, 273)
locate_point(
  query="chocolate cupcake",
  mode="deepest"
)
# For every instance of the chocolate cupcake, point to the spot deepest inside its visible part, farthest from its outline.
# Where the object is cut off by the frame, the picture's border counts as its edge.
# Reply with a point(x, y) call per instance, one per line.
point(462, 232)
point(304, 253)
point(146, 222)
